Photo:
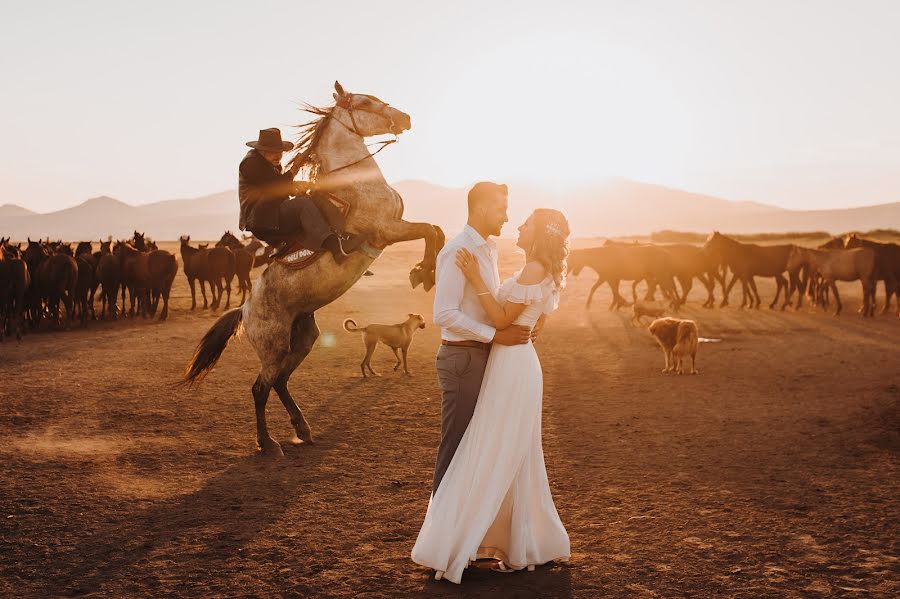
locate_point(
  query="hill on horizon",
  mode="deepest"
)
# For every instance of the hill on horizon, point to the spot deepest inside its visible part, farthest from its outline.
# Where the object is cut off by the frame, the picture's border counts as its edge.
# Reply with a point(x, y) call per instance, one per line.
point(612, 207)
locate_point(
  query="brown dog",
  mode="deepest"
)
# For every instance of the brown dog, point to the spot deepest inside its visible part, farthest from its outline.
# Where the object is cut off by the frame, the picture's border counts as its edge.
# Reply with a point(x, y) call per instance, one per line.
point(678, 339)
point(641, 309)
point(395, 336)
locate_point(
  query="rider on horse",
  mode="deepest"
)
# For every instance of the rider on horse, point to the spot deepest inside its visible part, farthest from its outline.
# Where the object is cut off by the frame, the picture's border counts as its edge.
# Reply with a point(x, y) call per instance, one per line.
point(273, 215)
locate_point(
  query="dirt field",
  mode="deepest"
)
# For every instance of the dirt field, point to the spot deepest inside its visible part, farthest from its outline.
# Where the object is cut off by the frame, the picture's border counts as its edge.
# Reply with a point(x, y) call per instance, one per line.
point(775, 472)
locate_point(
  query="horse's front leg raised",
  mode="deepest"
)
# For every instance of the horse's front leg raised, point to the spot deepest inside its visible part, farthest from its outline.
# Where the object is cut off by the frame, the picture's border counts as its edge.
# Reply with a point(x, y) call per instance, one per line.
point(397, 231)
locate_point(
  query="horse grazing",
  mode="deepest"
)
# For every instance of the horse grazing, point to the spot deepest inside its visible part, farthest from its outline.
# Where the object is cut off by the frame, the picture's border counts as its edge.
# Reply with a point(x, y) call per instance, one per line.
point(279, 316)
point(840, 265)
point(616, 262)
point(748, 260)
point(887, 266)
point(243, 261)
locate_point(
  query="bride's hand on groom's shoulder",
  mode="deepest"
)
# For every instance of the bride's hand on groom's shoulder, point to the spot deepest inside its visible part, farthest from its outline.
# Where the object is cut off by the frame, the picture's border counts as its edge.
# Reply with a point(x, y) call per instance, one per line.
point(468, 264)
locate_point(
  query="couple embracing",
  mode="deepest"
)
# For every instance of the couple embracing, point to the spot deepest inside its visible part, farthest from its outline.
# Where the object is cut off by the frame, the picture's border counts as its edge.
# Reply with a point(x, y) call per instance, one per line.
point(490, 496)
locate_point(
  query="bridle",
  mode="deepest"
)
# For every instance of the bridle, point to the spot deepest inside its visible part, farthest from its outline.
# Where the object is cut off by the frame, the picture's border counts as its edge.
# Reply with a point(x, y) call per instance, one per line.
point(346, 102)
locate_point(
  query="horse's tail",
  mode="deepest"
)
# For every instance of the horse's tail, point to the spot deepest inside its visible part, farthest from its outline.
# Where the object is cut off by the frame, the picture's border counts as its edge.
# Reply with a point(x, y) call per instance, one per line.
point(212, 345)
point(355, 328)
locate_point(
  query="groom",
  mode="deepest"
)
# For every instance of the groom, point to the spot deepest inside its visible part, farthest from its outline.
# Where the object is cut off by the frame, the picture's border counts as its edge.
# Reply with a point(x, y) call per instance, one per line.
point(466, 335)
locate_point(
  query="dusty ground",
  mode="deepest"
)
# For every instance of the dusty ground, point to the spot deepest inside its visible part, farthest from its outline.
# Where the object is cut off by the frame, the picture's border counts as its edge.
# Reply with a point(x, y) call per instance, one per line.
point(776, 471)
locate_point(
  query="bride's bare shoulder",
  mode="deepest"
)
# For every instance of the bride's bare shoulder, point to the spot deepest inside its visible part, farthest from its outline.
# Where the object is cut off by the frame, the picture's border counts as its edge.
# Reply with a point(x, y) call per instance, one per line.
point(532, 274)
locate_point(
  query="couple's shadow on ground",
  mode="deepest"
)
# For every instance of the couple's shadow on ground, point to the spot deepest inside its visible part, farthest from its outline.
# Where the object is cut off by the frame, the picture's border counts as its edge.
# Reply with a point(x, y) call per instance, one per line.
point(550, 580)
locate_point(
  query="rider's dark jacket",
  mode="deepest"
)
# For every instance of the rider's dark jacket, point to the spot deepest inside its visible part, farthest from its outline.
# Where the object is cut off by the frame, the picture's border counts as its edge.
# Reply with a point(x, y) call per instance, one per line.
point(262, 187)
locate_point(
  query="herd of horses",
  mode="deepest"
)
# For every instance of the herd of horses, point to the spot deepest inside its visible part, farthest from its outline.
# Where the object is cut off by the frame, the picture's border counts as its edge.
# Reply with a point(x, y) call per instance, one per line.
point(797, 270)
point(36, 279)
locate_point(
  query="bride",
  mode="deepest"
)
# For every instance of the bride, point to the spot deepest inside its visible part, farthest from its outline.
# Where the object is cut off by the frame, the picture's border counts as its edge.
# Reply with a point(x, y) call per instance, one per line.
point(494, 500)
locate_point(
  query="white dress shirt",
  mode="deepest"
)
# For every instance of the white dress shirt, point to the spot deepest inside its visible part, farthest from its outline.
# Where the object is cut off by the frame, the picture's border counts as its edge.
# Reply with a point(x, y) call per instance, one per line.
point(457, 309)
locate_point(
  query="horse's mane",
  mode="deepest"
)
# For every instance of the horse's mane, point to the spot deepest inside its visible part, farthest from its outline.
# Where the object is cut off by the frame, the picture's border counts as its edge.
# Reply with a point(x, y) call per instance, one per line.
point(310, 133)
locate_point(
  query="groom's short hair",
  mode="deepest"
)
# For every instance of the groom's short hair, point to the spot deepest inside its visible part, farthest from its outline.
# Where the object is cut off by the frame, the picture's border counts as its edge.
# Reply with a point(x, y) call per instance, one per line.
point(485, 191)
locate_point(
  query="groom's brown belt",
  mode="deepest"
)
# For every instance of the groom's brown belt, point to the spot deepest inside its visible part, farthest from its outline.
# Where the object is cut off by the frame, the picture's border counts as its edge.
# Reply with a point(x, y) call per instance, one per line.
point(476, 344)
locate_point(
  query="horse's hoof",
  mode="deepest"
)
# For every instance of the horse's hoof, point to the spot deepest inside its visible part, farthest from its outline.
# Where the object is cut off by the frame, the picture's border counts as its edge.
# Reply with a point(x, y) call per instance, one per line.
point(305, 439)
point(271, 448)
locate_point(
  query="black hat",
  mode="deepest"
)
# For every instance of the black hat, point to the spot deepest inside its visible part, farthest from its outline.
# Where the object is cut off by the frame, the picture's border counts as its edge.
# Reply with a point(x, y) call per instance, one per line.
point(270, 141)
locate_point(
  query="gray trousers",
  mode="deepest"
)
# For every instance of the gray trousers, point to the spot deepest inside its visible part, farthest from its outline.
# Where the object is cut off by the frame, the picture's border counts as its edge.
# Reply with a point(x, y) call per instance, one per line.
point(460, 371)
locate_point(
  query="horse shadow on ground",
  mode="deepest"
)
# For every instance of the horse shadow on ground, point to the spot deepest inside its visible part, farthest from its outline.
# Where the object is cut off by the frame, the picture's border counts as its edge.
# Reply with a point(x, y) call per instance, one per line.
point(220, 519)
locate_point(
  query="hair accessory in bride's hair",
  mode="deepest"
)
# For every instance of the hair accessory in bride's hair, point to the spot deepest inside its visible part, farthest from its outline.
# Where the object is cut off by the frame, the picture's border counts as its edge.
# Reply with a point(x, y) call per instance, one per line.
point(554, 229)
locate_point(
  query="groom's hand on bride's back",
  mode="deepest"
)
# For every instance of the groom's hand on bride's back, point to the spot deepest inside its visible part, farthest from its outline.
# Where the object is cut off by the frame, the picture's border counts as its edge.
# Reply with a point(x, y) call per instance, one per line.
point(512, 335)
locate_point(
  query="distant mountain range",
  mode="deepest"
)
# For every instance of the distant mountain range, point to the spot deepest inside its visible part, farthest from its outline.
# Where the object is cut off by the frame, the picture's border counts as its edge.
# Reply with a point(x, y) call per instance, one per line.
point(609, 208)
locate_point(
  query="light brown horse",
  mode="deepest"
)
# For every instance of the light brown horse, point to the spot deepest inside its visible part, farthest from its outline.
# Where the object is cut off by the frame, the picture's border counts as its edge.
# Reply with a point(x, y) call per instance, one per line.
point(688, 261)
point(279, 317)
point(887, 266)
point(615, 262)
point(840, 265)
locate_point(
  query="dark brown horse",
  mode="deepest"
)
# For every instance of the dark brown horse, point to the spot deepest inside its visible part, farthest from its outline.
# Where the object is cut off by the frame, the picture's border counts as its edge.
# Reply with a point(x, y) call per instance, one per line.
point(14, 283)
point(54, 279)
point(109, 276)
point(243, 261)
point(195, 262)
point(87, 281)
point(221, 272)
point(748, 260)
point(163, 267)
point(134, 270)
point(887, 266)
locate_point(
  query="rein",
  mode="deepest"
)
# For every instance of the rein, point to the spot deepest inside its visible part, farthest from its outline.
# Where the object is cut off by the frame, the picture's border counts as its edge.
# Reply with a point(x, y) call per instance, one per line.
point(348, 106)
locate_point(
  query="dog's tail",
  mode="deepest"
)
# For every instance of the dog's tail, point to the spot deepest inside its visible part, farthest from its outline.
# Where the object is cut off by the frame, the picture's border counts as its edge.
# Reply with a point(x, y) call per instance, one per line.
point(355, 329)
point(212, 345)
point(686, 337)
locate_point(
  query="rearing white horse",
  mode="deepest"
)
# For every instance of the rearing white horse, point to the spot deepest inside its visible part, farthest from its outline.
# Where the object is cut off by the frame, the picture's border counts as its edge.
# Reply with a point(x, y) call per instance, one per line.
point(279, 317)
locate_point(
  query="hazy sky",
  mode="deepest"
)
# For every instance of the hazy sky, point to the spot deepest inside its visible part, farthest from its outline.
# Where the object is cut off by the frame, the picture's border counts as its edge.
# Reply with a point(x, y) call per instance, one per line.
point(788, 102)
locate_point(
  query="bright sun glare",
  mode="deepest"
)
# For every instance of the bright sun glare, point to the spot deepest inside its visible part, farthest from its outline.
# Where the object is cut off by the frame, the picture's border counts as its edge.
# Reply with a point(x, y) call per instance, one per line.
point(564, 117)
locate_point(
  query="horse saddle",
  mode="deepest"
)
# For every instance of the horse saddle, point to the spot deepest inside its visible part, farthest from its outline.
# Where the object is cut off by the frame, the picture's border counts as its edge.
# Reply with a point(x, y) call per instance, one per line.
point(296, 256)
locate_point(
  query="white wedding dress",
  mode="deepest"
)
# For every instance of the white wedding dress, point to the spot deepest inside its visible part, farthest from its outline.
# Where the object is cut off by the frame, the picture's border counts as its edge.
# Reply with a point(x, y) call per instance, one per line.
point(494, 500)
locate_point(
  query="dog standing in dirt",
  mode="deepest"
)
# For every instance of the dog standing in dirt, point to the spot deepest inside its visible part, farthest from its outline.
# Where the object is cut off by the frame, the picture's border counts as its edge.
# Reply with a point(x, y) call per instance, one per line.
point(395, 336)
point(678, 339)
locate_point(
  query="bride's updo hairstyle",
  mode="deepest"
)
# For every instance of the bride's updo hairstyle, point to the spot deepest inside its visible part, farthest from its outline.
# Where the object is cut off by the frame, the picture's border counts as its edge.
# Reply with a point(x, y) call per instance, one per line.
point(551, 242)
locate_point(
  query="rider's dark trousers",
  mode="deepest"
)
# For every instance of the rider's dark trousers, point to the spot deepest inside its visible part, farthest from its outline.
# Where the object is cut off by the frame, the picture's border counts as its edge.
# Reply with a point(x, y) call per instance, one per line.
point(302, 216)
